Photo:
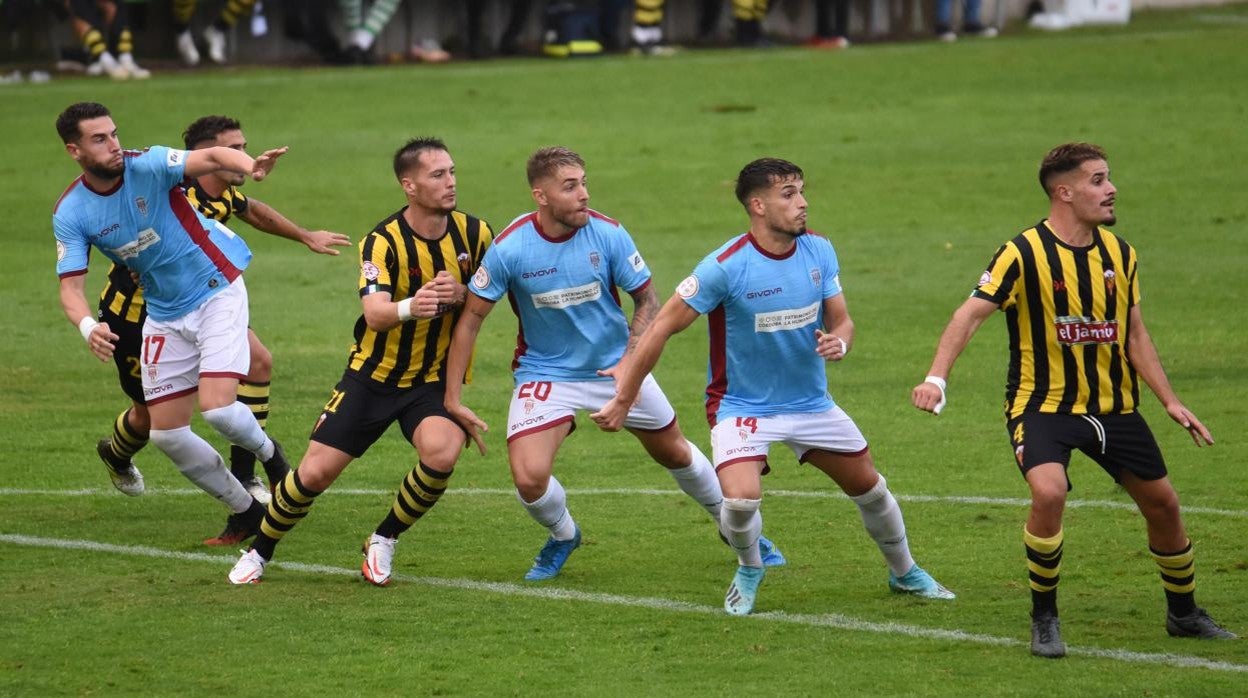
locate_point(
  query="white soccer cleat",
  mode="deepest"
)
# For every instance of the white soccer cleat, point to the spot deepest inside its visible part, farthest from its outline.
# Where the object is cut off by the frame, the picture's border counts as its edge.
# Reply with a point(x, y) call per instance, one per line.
point(258, 490)
point(126, 61)
point(216, 44)
point(187, 49)
point(249, 568)
point(378, 559)
point(107, 65)
point(125, 476)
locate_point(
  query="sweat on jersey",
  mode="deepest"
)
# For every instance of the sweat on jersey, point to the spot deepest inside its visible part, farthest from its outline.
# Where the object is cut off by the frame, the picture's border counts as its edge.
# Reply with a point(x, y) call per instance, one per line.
point(762, 313)
point(564, 292)
point(146, 224)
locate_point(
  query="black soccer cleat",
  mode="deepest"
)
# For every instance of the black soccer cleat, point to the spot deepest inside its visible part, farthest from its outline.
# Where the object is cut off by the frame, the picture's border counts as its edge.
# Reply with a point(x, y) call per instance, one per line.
point(239, 527)
point(1046, 636)
point(1196, 624)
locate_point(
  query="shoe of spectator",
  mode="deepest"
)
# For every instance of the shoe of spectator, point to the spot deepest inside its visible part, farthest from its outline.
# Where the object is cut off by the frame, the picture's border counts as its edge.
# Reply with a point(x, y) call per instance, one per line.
point(187, 49)
point(979, 30)
point(825, 43)
point(428, 51)
point(107, 65)
point(126, 61)
point(656, 49)
point(945, 32)
point(216, 44)
point(13, 78)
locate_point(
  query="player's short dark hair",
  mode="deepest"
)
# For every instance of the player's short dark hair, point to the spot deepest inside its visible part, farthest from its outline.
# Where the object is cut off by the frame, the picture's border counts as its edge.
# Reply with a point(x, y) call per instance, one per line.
point(407, 158)
point(74, 114)
point(1065, 158)
point(547, 161)
point(762, 173)
point(207, 128)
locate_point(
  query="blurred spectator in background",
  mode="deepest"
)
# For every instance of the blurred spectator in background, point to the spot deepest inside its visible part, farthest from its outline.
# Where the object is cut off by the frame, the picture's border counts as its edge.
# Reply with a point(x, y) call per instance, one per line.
point(831, 25)
point(308, 21)
point(363, 30)
point(971, 26)
point(104, 30)
point(214, 35)
point(571, 29)
point(749, 16)
point(647, 33)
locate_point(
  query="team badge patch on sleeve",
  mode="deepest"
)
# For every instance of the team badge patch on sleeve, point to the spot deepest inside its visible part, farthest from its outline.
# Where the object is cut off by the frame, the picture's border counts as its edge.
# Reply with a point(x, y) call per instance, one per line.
point(482, 278)
point(688, 288)
point(60, 250)
point(370, 271)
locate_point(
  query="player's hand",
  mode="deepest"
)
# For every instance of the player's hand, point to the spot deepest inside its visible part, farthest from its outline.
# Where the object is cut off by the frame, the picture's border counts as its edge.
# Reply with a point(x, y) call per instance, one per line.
point(1188, 421)
point(830, 346)
point(425, 303)
point(324, 242)
point(446, 287)
point(471, 423)
point(928, 397)
point(102, 342)
point(263, 165)
point(612, 415)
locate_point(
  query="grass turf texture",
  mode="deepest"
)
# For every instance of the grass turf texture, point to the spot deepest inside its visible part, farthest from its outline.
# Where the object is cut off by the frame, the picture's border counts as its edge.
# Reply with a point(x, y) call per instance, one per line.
point(920, 160)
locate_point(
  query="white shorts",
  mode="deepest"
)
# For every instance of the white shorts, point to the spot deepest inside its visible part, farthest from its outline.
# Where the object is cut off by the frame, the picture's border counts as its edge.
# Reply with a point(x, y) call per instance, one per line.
point(540, 405)
point(211, 340)
point(739, 439)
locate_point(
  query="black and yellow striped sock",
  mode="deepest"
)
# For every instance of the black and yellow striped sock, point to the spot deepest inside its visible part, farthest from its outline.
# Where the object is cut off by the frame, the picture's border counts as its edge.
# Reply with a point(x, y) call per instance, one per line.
point(291, 502)
point(648, 13)
point(1178, 578)
point(256, 397)
point(1044, 562)
point(126, 441)
point(232, 11)
point(123, 42)
point(420, 490)
point(93, 43)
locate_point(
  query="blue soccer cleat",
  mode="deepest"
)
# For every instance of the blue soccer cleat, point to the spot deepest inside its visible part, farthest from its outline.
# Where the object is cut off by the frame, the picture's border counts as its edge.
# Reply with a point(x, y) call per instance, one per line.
point(772, 557)
point(550, 560)
point(919, 583)
point(739, 600)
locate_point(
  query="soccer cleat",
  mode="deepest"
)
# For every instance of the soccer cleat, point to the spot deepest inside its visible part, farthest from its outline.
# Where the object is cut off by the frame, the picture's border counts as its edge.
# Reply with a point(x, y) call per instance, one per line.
point(258, 490)
point(107, 65)
point(550, 560)
point(739, 600)
point(1196, 624)
point(378, 559)
point(187, 49)
point(1046, 636)
point(126, 61)
point(215, 38)
point(126, 478)
point(918, 582)
point(249, 568)
point(239, 527)
point(772, 557)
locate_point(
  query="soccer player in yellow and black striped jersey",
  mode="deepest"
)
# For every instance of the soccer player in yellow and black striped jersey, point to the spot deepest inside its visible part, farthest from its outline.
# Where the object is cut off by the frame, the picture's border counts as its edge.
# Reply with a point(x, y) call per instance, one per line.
point(1078, 348)
point(413, 270)
point(121, 305)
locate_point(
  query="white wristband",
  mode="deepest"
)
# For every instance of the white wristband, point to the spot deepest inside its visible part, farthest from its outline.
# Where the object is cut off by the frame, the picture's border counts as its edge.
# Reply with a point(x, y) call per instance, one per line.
point(939, 383)
point(86, 326)
point(405, 310)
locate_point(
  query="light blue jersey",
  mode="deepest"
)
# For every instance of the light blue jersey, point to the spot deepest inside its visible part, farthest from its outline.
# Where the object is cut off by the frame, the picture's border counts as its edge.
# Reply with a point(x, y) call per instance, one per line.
point(146, 224)
point(564, 293)
point(762, 312)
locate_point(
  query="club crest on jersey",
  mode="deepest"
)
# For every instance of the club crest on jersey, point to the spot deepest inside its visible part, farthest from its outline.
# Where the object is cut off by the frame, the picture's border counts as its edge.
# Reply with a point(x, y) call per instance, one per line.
point(595, 259)
point(465, 264)
point(141, 204)
point(816, 277)
point(1110, 276)
point(370, 271)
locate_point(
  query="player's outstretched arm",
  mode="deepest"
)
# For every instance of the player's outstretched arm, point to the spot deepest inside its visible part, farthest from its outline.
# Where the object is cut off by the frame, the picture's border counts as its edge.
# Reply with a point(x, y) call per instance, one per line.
point(100, 339)
point(463, 339)
point(929, 395)
point(207, 160)
point(265, 218)
point(1142, 354)
point(674, 317)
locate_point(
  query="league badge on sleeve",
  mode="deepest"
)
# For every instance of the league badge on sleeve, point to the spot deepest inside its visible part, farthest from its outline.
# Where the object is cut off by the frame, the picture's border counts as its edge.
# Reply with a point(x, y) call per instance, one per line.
point(688, 288)
point(60, 250)
point(482, 278)
point(370, 271)
point(175, 157)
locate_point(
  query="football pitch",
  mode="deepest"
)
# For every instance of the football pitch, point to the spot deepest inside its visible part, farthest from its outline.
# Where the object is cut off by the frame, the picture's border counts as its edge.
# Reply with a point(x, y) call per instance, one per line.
point(920, 160)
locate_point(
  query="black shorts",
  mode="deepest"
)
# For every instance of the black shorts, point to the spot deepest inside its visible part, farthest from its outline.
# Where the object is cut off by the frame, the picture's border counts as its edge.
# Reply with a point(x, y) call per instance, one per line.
point(126, 353)
point(1117, 442)
point(359, 411)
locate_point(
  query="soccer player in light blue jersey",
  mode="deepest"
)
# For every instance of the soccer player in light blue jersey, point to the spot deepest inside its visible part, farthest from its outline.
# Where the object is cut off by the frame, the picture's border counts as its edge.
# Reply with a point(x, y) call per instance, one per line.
point(776, 313)
point(560, 268)
point(130, 206)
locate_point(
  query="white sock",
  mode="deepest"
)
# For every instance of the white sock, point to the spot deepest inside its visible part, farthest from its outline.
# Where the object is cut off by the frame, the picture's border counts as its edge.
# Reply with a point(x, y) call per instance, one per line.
point(698, 480)
point(202, 465)
point(741, 524)
point(239, 426)
point(551, 511)
point(882, 517)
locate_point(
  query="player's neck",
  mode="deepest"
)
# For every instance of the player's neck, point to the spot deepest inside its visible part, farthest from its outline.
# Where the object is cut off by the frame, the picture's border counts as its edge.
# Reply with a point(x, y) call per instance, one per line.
point(1070, 230)
point(773, 243)
point(426, 223)
point(550, 227)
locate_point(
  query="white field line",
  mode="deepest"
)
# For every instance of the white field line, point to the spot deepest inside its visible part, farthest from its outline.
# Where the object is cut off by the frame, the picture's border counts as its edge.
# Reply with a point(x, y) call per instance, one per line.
point(633, 491)
point(831, 620)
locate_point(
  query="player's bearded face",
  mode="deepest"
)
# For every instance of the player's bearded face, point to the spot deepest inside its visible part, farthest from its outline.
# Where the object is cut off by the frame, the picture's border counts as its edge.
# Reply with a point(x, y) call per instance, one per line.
point(1094, 194)
point(567, 195)
point(433, 184)
point(98, 151)
point(785, 205)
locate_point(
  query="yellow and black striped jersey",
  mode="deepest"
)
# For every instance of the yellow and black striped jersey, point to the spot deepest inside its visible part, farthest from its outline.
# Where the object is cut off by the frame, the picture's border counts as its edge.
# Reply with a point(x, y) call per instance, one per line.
point(121, 295)
point(1067, 312)
point(393, 259)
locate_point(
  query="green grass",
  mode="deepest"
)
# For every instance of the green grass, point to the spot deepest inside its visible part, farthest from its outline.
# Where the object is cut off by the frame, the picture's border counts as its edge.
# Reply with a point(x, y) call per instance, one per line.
point(920, 161)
